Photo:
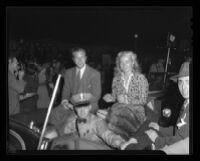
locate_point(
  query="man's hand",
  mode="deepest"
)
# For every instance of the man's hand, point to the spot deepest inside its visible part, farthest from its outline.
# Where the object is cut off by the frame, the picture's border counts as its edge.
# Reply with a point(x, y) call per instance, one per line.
point(131, 141)
point(152, 135)
point(108, 98)
point(154, 125)
point(66, 104)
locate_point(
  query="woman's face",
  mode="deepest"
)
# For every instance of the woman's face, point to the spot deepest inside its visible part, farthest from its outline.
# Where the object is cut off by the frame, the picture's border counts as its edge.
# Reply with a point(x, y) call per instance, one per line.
point(126, 64)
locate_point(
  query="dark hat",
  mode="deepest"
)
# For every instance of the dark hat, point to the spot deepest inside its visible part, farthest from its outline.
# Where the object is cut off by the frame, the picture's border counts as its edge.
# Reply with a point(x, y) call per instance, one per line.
point(81, 104)
point(184, 71)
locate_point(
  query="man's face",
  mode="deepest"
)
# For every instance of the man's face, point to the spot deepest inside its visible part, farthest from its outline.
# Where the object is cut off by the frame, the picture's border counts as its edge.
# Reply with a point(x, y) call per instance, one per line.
point(13, 64)
point(83, 112)
point(183, 85)
point(79, 58)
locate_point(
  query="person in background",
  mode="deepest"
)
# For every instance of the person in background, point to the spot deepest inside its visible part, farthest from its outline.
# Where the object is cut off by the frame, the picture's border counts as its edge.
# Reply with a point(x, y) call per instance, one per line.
point(58, 69)
point(15, 87)
point(43, 96)
point(28, 104)
point(156, 74)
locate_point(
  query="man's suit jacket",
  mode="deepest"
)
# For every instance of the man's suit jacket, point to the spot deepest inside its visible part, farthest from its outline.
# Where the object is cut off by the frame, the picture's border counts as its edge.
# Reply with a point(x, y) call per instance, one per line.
point(90, 83)
point(14, 88)
point(181, 131)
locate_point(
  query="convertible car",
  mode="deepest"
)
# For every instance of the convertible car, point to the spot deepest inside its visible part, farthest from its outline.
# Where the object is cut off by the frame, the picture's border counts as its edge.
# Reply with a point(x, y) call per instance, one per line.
point(25, 128)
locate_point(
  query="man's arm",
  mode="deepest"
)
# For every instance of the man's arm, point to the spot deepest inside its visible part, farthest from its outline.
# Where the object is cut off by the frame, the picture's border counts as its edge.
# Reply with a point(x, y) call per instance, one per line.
point(166, 131)
point(108, 136)
point(181, 133)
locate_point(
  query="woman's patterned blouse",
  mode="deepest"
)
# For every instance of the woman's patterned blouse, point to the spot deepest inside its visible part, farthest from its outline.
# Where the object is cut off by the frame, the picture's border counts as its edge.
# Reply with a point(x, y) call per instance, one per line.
point(137, 89)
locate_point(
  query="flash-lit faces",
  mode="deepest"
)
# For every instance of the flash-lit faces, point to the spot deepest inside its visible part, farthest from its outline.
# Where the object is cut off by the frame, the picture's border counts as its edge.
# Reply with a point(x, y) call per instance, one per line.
point(79, 58)
point(183, 85)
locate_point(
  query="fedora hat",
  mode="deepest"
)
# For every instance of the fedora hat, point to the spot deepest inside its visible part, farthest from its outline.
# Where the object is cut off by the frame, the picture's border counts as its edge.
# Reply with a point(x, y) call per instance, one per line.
point(184, 72)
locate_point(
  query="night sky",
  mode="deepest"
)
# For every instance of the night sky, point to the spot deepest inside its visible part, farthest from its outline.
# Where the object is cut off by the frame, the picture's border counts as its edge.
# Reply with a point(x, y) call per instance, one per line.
point(113, 26)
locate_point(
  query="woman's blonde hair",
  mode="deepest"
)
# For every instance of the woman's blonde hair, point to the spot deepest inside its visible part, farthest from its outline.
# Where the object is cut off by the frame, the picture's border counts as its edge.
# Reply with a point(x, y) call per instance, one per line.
point(133, 56)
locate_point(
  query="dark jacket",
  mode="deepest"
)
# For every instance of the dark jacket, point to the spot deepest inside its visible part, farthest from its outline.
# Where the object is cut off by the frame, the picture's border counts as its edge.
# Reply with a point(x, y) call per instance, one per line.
point(181, 131)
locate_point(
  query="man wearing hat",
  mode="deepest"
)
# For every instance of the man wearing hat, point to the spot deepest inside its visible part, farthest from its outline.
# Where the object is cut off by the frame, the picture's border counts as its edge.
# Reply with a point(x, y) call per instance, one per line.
point(86, 125)
point(182, 127)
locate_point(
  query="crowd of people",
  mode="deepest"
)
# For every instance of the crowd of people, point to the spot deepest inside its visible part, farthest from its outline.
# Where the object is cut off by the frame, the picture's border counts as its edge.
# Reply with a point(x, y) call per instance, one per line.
point(77, 102)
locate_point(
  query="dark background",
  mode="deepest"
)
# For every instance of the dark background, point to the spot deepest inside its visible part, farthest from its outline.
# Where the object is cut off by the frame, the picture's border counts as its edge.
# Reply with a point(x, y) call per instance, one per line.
point(114, 26)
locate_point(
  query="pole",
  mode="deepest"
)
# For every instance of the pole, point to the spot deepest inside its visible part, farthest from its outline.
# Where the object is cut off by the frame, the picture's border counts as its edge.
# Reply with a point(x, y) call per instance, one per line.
point(166, 66)
point(49, 110)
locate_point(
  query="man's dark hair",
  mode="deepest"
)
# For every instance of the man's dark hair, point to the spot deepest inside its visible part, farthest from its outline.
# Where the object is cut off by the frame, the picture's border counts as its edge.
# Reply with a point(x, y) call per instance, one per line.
point(75, 49)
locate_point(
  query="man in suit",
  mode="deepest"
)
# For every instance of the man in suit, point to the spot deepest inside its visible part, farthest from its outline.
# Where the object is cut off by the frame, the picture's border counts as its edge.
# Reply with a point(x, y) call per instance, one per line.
point(81, 83)
point(15, 86)
point(159, 136)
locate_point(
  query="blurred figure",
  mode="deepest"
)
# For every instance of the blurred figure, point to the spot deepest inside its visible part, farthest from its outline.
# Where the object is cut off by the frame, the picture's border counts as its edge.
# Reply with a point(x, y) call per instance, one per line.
point(29, 104)
point(58, 69)
point(15, 87)
point(43, 96)
point(156, 74)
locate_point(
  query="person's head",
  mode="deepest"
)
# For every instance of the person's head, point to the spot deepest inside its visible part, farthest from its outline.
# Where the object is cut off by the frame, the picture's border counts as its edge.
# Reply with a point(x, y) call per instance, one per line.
point(126, 61)
point(183, 80)
point(12, 63)
point(79, 57)
point(83, 111)
point(31, 69)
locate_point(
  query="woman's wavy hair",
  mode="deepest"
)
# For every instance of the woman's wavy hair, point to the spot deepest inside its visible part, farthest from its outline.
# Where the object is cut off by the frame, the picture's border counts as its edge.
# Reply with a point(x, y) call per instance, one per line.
point(133, 57)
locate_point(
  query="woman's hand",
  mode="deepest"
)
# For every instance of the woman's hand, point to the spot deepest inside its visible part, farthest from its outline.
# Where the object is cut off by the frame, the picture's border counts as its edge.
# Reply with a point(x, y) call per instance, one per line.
point(121, 99)
point(108, 98)
point(154, 125)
